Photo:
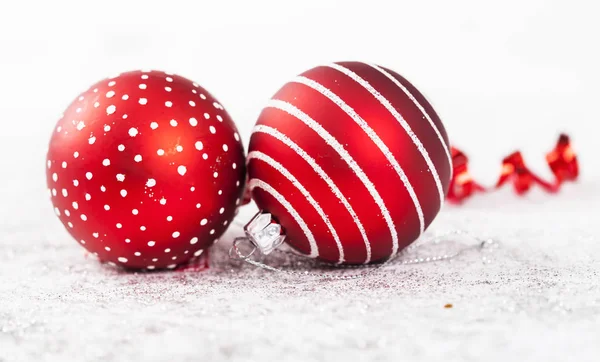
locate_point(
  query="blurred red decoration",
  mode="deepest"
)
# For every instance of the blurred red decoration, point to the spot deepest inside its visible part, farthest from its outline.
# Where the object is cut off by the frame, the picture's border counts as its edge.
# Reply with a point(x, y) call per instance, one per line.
point(145, 170)
point(561, 160)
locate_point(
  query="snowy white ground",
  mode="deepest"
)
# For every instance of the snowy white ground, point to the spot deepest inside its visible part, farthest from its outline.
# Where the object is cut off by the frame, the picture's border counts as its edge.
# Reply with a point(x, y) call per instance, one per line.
point(536, 297)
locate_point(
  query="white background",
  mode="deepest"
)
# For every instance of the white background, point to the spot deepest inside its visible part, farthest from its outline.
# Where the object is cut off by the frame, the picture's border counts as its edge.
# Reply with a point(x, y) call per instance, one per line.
point(501, 74)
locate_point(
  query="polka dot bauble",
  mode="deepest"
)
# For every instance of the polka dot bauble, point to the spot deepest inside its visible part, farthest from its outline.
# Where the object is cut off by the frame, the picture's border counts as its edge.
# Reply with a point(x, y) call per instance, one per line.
point(145, 170)
point(351, 160)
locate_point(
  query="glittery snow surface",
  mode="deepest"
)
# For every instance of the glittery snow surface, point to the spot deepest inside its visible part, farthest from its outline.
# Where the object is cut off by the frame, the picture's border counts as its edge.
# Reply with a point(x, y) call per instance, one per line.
point(536, 296)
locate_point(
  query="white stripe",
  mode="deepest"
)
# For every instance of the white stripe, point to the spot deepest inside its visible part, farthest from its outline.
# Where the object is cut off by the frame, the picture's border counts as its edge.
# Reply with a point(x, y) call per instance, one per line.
point(399, 118)
point(373, 136)
point(423, 111)
point(257, 183)
point(311, 161)
point(288, 175)
point(331, 141)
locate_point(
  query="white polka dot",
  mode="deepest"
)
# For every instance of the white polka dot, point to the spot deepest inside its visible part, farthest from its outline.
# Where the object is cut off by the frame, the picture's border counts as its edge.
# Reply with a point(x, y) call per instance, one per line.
point(143, 228)
point(176, 234)
point(212, 232)
point(150, 267)
point(138, 158)
point(168, 104)
point(199, 145)
point(75, 154)
point(88, 197)
point(123, 192)
point(65, 193)
point(203, 222)
point(122, 259)
point(78, 110)
point(143, 101)
point(119, 225)
point(192, 189)
point(144, 76)
point(124, 116)
point(49, 163)
point(137, 253)
point(55, 177)
point(91, 140)
point(82, 242)
point(154, 125)
point(106, 128)
point(95, 235)
point(217, 105)
point(236, 136)
point(192, 103)
point(110, 94)
point(169, 218)
point(199, 252)
point(167, 250)
point(143, 86)
point(111, 109)
point(125, 97)
point(57, 211)
point(111, 83)
point(215, 174)
point(163, 201)
point(121, 148)
point(206, 115)
point(168, 89)
point(234, 165)
point(219, 118)
point(151, 182)
point(106, 207)
point(107, 248)
point(75, 205)
point(173, 123)
point(96, 104)
point(193, 122)
point(75, 183)
point(102, 188)
point(67, 212)
point(135, 211)
point(202, 96)
point(205, 156)
point(120, 177)
point(198, 206)
point(80, 125)
point(70, 224)
point(181, 170)
point(133, 132)
point(179, 148)
point(194, 91)
point(106, 162)
point(225, 148)
point(160, 152)
point(221, 210)
point(212, 129)
point(220, 192)
point(169, 79)
point(83, 217)
point(194, 240)
point(151, 243)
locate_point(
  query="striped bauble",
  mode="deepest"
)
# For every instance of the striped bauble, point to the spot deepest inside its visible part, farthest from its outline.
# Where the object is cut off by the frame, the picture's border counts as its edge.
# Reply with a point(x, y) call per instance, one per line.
point(351, 160)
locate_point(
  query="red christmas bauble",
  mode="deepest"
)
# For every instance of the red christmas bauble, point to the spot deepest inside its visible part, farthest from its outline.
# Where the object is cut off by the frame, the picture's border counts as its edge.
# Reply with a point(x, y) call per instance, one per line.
point(351, 160)
point(145, 169)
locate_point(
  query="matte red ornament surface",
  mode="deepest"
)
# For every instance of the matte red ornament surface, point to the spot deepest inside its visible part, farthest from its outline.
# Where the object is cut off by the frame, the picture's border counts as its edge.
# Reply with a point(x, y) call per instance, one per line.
point(145, 169)
point(352, 160)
